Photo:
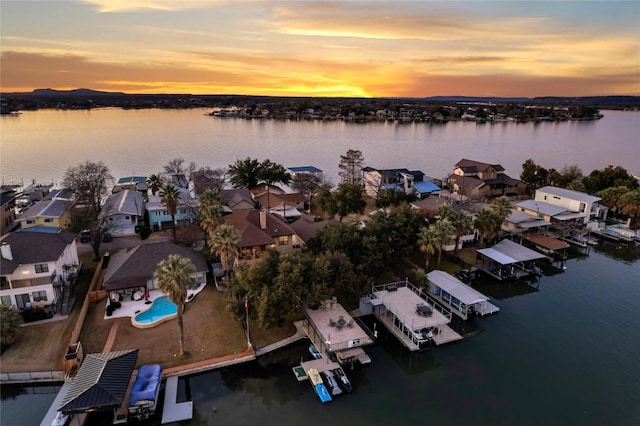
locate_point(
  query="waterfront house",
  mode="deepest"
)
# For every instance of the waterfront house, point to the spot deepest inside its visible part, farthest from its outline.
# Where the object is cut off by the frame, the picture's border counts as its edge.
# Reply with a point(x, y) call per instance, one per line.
point(586, 207)
point(478, 180)
point(403, 180)
point(34, 268)
point(64, 194)
point(123, 213)
point(519, 222)
point(48, 215)
point(159, 217)
point(36, 191)
point(129, 273)
point(260, 231)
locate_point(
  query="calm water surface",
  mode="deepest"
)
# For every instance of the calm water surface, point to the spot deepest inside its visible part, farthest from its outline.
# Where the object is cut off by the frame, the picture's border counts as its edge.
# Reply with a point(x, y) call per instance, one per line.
point(563, 352)
point(42, 144)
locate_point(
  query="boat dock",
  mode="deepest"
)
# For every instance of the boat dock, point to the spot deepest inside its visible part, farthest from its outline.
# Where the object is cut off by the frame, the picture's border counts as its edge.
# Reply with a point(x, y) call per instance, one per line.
point(462, 299)
point(333, 331)
point(508, 260)
point(173, 411)
point(415, 318)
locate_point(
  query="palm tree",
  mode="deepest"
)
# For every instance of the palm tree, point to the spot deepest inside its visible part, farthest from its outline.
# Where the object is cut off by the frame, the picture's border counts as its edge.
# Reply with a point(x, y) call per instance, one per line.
point(443, 230)
point(501, 206)
point(224, 243)
point(488, 223)
point(10, 321)
point(211, 211)
point(462, 225)
point(154, 182)
point(170, 196)
point(428, 244)
point(444, 212)
point(174, 278)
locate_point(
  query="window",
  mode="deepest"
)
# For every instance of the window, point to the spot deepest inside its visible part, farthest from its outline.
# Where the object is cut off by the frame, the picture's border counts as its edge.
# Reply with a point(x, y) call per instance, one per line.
point(41, 267)
point(22, 300)
point(5, 300)
point(39, 295)
point(4, 283)
point(31, 222)
point(283, 240)
point(48, 220)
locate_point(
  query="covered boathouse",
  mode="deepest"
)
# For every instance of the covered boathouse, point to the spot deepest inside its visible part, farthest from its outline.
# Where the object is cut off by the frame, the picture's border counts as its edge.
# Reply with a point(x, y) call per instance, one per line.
point(334, 332)
point(463, 300)
point(508, 261)
point(411, 315)
point(102, 384)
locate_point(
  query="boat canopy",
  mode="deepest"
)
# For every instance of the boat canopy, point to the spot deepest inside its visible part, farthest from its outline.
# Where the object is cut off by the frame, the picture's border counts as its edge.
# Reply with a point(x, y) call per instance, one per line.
point(101, 383)
point(456, 288)
point(507, 252)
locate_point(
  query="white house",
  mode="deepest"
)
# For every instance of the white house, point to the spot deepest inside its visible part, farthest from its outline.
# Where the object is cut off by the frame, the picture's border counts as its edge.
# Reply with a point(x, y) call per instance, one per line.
point(584, 204)
point(33, 267)
point(122, 212)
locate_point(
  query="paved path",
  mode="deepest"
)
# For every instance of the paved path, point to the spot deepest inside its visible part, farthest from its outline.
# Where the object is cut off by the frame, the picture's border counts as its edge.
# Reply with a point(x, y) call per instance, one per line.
point(112, 335)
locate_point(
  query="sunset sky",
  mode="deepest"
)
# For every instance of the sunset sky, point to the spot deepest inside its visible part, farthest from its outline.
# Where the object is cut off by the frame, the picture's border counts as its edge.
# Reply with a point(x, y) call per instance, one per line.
point(323, 48)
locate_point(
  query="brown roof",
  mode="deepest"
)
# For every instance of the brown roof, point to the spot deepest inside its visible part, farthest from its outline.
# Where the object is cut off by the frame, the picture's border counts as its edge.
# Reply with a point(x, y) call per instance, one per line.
point(547, 242)
point(247, 223)
point(134, 267)
point(306, 227)
point(34, 247)
point(470, 166)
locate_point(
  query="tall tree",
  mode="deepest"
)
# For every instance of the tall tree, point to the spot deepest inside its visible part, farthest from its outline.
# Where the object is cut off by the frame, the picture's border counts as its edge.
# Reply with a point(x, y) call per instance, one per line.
point(487, 223)
point(351, 167)
point(308, 184)
point(462, 225)
point(444, 231)
point(180, 172)
point(501, 206)
point(428, 244)
point(89, 182)
point(10, 321)
point(270, 173)
point(174, 279)
point(533, 175)
point(224, 243)
point(345, 200)
point(211, 211)
point(245, 173)
point(170, 197)
point(154, 182)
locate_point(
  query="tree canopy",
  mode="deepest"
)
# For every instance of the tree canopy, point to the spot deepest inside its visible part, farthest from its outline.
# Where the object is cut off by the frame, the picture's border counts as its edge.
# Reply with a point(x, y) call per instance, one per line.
point(345, 200)
point(89, 181)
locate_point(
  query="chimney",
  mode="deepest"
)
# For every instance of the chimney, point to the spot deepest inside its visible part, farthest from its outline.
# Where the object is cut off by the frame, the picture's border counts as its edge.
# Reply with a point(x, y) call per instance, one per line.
point(6, 251)
point(263, 219)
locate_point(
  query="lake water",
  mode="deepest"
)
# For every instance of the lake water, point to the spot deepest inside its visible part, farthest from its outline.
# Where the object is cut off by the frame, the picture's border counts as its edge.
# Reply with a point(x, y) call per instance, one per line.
point(42, 144)
point(564, 351)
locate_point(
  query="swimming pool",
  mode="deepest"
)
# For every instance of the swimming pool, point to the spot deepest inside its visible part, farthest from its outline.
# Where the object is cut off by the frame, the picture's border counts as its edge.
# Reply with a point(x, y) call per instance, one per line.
point(162, 309)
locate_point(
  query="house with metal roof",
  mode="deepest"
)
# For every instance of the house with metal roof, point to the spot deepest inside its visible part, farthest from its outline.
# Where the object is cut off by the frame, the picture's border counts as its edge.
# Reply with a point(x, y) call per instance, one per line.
point(52, 213)
point(519, 221)
point(304, 169)
point(558, 216)
point(123, 212)
point(475, 179)
point(133, 183)
point(35, 267)
point(584, 206)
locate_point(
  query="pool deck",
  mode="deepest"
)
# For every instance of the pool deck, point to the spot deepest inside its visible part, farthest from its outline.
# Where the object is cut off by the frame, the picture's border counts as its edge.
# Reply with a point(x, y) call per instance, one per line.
point(130, 308)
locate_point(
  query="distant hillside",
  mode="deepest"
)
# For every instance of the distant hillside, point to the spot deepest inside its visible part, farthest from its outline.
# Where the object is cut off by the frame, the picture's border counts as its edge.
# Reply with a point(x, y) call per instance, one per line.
point(74, 92)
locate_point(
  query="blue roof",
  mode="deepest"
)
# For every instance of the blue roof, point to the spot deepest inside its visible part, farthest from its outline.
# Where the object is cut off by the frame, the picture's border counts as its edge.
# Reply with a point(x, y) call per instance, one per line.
point(425, 186)
point(132, 179)
point(307, 169)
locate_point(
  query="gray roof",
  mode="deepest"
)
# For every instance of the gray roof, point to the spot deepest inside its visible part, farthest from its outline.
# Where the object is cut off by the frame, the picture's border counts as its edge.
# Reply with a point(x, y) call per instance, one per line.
point(456, 288)
point(568, 193)
point(34, 247)
point(543, 207)
point(46, 208)
point(124, 202)
point(134, 267)
point(507, 252)
point(101, 383)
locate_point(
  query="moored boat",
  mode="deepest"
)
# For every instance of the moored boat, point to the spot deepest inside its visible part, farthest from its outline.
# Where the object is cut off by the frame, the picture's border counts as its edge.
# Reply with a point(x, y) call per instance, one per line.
point(145, 390)
point(318, 385)
point(343, 381)
point(331, 382)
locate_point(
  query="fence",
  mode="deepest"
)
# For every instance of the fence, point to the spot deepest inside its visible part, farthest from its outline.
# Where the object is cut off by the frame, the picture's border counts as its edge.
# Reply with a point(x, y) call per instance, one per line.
point(95, 282)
